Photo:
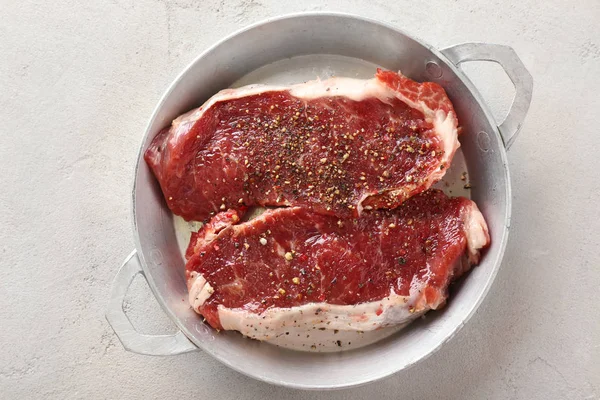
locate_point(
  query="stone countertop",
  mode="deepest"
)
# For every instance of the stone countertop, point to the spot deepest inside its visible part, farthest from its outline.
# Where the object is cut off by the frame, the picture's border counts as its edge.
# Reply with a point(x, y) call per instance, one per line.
point(78, 81)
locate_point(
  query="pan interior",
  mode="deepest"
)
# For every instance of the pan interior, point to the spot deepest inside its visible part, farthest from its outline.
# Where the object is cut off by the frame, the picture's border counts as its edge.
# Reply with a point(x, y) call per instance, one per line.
point(301, 69)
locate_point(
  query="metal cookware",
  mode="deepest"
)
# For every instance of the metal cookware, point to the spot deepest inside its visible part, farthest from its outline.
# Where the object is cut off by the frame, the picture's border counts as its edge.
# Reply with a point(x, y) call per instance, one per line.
point(323, 43)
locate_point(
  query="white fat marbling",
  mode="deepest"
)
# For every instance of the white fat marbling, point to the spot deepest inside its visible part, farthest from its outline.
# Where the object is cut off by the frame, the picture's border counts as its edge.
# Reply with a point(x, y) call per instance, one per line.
point(476, 230)
point(317, 326)
point(199, 290)
point(393, 309)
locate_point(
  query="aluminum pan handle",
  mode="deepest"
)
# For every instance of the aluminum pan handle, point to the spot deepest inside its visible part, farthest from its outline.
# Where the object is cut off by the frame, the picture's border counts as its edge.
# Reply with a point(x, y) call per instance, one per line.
point(516, 71)
point(132, 340)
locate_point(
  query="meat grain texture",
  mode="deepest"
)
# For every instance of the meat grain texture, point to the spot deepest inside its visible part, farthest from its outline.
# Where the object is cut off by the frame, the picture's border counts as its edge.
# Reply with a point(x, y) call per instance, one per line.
point(361, 242)
point(292, 269)
point(337, 147)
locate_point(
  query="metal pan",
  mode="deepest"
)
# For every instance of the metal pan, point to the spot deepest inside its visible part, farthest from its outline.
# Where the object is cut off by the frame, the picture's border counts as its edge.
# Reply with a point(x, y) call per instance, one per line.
point(333, 44)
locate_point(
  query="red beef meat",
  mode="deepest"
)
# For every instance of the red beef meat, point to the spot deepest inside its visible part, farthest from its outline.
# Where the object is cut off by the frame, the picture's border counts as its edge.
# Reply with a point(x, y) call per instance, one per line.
point(336, 147)
point(294, 269)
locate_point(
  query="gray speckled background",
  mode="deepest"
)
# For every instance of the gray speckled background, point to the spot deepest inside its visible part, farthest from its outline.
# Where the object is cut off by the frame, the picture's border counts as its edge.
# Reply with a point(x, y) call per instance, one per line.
point(78, 81)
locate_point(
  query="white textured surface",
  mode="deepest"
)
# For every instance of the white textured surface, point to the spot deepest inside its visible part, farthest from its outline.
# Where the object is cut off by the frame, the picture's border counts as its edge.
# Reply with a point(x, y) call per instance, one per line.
point(78, 81)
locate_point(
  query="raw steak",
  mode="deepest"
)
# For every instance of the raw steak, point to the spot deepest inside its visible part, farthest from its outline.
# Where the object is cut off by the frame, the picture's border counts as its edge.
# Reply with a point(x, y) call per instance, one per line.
point(336, 147)
point(293, 270)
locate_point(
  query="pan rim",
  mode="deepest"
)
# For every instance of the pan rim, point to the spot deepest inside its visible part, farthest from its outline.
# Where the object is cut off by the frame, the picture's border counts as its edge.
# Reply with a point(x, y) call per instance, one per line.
point(471, 309)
